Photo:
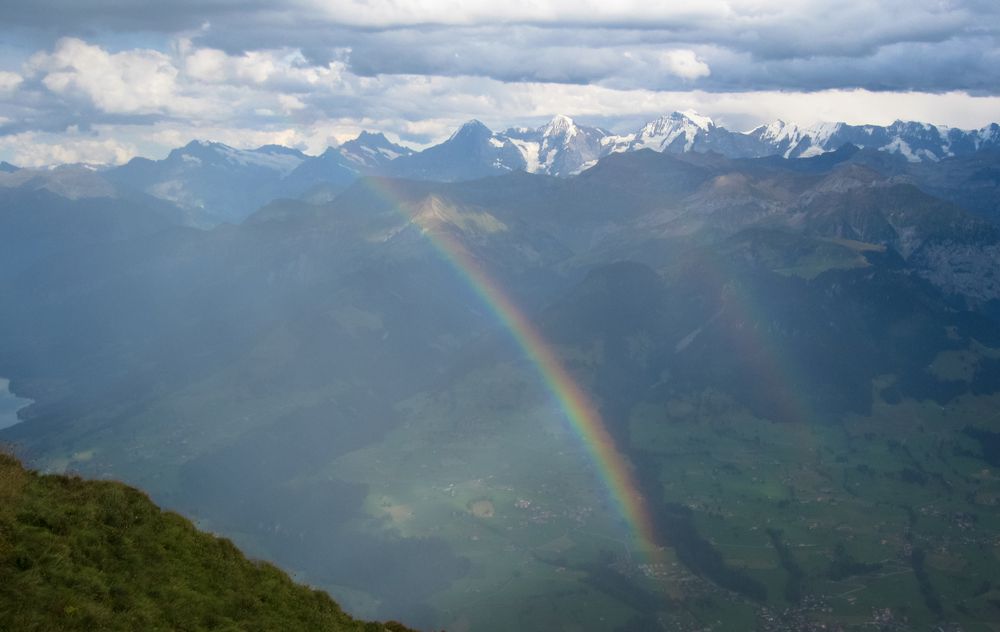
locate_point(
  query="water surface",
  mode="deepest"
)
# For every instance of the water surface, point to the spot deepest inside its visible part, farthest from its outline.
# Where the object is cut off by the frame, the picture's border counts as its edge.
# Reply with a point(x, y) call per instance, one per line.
point(10, 404)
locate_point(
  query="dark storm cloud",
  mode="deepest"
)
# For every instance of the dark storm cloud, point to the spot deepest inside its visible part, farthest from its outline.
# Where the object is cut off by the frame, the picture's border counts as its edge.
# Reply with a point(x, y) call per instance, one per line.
point(928, 45)
point(78, 17)
point(971, 65)
point(629, 59)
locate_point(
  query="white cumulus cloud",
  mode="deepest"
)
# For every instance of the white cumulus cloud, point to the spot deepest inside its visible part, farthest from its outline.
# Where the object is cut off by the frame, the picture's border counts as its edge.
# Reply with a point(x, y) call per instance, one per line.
point(286, 66)
point(683, 63)
point(9, 81)
point(137, 81)
point(37, 150)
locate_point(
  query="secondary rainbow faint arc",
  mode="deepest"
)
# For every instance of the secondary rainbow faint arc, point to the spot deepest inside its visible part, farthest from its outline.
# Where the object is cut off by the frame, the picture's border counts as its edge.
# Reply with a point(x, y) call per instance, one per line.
point(578, 407)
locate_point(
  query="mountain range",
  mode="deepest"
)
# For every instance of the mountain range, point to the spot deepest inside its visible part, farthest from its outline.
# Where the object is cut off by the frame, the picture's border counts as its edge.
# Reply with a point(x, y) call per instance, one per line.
point(563, 148)
point(213, 182)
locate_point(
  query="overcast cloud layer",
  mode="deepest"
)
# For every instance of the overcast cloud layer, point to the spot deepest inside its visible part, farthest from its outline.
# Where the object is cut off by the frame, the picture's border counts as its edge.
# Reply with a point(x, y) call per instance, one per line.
point(102, 80)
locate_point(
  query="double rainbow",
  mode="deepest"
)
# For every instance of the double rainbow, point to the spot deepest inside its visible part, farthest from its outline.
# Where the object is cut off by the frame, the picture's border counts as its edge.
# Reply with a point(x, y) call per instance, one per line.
point(579, 409)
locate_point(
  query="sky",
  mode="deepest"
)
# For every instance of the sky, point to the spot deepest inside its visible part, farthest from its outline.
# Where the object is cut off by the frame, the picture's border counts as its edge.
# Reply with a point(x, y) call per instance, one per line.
point(101, 81)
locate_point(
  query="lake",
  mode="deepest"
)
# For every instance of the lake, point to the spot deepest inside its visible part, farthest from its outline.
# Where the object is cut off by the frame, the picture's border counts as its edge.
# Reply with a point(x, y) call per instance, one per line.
point(9, 405)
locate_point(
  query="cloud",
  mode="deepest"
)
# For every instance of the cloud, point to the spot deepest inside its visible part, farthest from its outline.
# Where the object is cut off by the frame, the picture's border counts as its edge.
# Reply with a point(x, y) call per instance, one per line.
point(138, 81)
point(517, 55)
point(284, 67)
point(714, 45)
point(684, 64)
point(426, 36)
point(9, 81)
point(215, 66)
point(804, 56)
point(290, 103)
point(209, 65)
point(766, 28)
point(313, 72)
point(88, 16)
point(34, 150)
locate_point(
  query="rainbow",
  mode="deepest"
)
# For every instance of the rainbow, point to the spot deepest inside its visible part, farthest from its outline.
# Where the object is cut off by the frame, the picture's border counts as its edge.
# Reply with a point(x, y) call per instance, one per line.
point(778, 372)
point(579, 409)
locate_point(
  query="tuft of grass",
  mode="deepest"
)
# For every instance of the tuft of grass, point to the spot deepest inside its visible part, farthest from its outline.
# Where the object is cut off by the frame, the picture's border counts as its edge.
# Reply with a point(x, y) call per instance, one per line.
point(89, 555)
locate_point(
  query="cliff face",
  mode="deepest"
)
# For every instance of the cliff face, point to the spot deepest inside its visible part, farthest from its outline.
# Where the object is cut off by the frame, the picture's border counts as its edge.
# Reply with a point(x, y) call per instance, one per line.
point(86, 555)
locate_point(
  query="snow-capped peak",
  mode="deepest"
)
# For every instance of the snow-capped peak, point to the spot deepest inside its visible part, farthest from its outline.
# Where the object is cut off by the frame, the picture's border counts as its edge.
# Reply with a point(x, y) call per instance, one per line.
point(559, 147)
point(473, 127)
point(369, 139)
point(272, 157)
point(560, 125)
point(371, 149)
point(989, 134)
point(701, 121)
point(775, 130)
point(682, 128)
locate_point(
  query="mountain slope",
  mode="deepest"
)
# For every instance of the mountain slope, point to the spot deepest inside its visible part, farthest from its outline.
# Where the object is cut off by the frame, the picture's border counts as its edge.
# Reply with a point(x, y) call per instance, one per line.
point(474, 151)
point(323, 176)
point(36, 223)
point(371, 151)
point(220, 183)
point(561, 147)
point(971, 181)
point(80, 555)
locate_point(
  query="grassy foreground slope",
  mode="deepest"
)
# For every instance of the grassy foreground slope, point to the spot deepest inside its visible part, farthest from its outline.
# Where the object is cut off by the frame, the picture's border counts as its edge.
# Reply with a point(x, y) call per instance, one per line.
point(88, 555)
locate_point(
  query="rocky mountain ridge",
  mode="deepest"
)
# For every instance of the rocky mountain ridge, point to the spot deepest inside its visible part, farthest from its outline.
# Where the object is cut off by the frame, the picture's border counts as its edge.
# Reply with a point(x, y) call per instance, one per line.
point(192, 176)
